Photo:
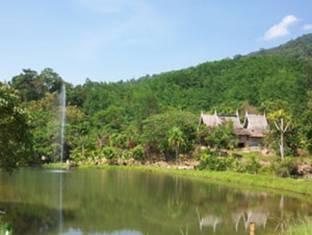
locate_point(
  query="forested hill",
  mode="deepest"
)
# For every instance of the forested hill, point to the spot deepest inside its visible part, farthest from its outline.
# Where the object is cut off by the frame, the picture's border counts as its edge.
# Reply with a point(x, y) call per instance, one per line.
point(141, 112)
point(298, 48)
point(226, 85)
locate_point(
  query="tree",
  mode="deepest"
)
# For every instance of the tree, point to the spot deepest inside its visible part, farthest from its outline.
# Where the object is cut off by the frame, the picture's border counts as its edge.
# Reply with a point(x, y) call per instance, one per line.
point(176, 140)
point(282, 121)
point(222, 137)
point(45, 126)
point(15, 138)
point(155, 131)
point(52, 81)
point(29, 85)
point(306, 124)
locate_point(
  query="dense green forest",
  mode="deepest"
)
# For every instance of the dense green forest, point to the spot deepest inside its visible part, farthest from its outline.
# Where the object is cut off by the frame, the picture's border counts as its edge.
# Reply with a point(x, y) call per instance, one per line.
point(155, 116)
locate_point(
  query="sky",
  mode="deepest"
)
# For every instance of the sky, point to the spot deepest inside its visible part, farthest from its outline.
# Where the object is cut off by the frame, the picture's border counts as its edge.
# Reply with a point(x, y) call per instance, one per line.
point(112, 40)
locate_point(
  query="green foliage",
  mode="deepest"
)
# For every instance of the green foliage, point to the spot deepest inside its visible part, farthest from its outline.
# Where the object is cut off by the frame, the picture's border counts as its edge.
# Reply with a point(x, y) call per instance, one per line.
point(215, 163)
point(122, 115)
point(176, 140)
point(251, 166)
point(155, 130)
point(138, 152)
point(15, 136)
point(222, 137)
point(33, 86)
point(299, 48)
point(286, 168)
point(222, 162)
point(306, 124)
point(45, 127)
point(110, 153)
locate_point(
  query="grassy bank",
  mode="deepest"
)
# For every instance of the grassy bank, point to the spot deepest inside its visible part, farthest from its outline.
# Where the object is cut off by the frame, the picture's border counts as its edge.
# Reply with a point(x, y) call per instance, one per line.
point(298, 186)
point(303, 228)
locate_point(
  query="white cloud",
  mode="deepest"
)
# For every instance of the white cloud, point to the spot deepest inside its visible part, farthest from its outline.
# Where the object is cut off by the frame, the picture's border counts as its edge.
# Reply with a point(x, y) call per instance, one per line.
point(307, 27)
point(280, 29)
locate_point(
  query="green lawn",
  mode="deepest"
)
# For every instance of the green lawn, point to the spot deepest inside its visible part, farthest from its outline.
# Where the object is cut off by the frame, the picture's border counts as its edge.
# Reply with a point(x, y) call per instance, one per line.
point(304, 228)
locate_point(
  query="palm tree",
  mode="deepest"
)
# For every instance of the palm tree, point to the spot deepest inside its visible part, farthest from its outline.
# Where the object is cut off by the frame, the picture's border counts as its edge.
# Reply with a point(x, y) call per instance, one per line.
point(176, 140)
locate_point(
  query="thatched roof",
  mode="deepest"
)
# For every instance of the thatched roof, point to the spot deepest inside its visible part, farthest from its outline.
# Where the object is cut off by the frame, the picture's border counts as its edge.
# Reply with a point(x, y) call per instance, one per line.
point(254, 125)
point(234, 119)
point(210, 120)
point(213, 120)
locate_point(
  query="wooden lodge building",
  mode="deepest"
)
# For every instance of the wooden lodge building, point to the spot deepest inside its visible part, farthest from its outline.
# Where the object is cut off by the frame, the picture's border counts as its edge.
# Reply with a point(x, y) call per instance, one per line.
point(250, 133)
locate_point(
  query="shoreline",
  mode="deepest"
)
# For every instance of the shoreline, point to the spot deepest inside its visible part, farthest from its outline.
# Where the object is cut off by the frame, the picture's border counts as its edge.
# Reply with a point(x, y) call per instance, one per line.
point(301, 188)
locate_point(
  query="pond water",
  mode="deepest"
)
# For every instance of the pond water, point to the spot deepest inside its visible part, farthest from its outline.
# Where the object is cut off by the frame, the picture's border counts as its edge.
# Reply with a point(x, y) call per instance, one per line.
point(129, 202)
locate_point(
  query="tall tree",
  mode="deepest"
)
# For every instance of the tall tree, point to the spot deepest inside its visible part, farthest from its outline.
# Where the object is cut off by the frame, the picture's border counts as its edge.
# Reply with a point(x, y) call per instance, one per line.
point(281, 121)
point(15, 138)
point(176, 140)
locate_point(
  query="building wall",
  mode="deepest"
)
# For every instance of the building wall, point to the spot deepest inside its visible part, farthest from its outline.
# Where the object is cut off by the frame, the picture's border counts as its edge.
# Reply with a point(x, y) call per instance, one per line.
point(254, 142)
point(246, 141)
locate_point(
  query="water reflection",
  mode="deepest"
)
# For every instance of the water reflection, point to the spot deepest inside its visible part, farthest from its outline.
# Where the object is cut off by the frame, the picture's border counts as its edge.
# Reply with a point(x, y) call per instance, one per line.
point(121, 232)
point(125, 202)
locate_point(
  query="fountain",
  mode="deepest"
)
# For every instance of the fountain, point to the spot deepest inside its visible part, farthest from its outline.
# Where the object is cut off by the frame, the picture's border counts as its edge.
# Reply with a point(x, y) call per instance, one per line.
point(62, 118)
point(62, 134)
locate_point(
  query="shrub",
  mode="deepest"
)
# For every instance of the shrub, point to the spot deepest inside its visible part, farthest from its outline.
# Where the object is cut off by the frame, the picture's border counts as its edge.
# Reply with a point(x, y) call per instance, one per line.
point(252, 165)
point(110, 153)
point(215, 163)
point(286, 168)
point(138, 153)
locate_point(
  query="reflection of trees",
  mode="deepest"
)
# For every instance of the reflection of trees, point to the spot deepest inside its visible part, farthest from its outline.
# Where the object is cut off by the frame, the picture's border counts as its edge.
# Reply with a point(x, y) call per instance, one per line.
point(208, 221)
point(236, 217)
point(258, 217)
point(29, 218)
point(284, 219)
point(184, 231)
point(175, 207)
point(115, 200)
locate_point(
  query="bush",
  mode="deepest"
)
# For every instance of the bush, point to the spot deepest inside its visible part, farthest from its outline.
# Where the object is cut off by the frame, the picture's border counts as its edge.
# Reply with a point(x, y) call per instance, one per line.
point(215, 163)
point(138, 153)
point(286, 168)
point(252, 165)
point(110, 153)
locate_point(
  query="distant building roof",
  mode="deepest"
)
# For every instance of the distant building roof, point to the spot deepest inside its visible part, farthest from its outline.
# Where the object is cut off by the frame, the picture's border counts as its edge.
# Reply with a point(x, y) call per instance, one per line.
point(234, 119)
point(213, 120)
point(210, 120)
point(254, 125)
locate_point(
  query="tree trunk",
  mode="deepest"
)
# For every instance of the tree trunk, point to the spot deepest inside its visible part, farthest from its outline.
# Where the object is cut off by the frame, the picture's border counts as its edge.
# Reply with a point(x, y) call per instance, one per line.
point(282, 146)
point(176, 153)
point(282, 140)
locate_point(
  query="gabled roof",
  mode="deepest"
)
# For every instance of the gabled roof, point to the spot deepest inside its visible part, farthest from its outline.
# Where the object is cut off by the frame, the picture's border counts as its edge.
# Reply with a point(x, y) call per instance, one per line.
point(210, 120)
point(255, 121)
point(254, 125)
point(234, 119)
point(215, 120)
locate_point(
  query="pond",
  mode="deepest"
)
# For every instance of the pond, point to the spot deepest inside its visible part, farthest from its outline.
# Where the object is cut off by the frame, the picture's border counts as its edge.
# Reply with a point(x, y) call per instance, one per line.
point(129, 202)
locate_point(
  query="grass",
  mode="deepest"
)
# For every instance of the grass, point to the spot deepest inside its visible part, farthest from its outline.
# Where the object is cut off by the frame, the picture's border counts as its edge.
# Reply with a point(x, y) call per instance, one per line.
point(303, 228)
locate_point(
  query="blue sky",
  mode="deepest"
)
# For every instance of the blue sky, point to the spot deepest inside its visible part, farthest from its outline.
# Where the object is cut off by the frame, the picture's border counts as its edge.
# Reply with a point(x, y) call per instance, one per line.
point(110, 40)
